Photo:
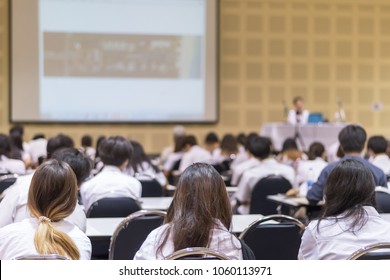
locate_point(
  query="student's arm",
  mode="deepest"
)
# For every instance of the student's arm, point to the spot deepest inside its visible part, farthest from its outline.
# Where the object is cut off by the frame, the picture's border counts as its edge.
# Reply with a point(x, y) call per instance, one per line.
point(308, 249)
point(316, 193)
point(8, 207)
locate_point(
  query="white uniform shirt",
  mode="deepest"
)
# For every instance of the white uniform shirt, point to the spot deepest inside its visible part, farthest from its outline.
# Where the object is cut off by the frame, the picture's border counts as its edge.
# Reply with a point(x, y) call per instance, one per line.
point(171, 160)
point(195, 154)
point(240, 158)
point(13, 207)
point(110, 182)
point(17, 239)
point(15, 166)
point(250, 177)
point(36, 148)
point(221, 240)
point(381, 161)
point(293, 118)
point(239, 169)
point(333, 242)
point(147, 172)
point(305, 167)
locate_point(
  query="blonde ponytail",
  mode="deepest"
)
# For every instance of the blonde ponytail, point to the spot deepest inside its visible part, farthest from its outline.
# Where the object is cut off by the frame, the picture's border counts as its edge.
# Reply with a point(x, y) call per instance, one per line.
point(49, 240)
point(53, 197)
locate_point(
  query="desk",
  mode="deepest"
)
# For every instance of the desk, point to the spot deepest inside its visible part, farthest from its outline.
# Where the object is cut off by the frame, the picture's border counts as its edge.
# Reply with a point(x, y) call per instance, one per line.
point(293, 201)
point(155, 203)
point(326, 133)
point(105, 227)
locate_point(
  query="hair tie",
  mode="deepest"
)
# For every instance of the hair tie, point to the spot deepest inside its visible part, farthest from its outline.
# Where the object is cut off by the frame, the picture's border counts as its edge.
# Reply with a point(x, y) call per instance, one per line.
point(44, 219)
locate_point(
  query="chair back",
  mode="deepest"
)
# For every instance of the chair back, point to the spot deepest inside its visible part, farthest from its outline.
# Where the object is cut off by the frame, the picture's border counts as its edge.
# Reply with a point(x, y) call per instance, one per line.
point(42, 257)
point(197, 253)
point(382, 199)
point(274, 241)
point(151, 188)
point(6, 181)
point(112, 207)
point(132, 232)
point(270, 185)
point(369, 252)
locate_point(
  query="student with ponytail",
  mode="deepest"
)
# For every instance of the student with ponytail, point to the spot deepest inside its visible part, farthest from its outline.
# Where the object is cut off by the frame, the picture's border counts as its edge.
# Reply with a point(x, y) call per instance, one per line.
point(52, 197)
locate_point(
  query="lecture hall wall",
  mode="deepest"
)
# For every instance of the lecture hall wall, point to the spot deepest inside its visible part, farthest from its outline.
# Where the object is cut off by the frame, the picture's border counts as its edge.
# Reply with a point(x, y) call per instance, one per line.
point(270, 51)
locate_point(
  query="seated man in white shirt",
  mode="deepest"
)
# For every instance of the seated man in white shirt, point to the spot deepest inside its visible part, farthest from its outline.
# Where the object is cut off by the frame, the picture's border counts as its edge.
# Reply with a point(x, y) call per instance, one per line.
point(193, 153)
point(252, 161)
point(376, 148)
point(13, 207)
point(269, 166)
point(115, 153)
point(298, 115)
point(8, 165)
point(309, 170)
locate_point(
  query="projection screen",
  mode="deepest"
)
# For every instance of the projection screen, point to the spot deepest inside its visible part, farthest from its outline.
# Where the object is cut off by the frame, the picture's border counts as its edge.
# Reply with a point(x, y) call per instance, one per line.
point(113, 61)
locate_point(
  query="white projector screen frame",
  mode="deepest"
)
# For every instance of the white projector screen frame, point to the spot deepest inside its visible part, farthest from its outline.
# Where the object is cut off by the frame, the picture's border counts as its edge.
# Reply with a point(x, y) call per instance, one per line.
point(42, 64)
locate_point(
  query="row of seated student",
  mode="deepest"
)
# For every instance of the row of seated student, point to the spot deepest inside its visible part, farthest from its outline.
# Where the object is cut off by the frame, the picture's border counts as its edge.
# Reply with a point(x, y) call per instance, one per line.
point(199, 216)
point(116, 152)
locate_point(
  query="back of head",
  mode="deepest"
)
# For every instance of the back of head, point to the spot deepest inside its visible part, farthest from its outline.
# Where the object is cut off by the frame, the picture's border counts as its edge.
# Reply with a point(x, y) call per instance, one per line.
point(52, 197)
point(211, 138)
point(377, 144)
point(139, 157)
point(17, 129)
point(58, 142)
point(349, 187)
point(249, 138)
point(316, 150)
point(260, 147)
point(229, 144)
point(199, 201)
point(38, 136)
point(289, 144)
point(115, 150)
point(190, 140)
point(79, 162)
point(241, 139)
point(86, 141)
point(5, 145)
point(352, 139)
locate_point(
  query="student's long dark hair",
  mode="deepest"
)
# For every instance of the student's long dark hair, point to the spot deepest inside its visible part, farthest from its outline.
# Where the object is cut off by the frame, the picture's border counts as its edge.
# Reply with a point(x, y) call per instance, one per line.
point(199, 201)
point(349, 187)
point(138, 157)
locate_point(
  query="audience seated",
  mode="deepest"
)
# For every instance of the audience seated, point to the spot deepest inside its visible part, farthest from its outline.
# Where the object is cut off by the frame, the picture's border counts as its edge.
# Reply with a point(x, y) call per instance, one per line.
point(211, 142)
point(376, 148)
point(86, 146)
point(115, 153)
point(17, 150)
point(243, 154)
point(252, 161)
point(227, 151)
point(141, 167)
point(352, 139)
point(13, 207)
point(8, 165)
point(261, 148)
point(349, 220)
point(173, 160)
point(290, 153)
point(309, 170)
point(52, 197)
point(193, 153)
point(37, 149)
point(178, 132)
point(199, 216)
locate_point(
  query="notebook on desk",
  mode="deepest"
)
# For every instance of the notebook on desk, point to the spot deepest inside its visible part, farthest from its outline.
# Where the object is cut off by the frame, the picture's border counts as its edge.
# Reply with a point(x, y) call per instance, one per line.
point(315, 118)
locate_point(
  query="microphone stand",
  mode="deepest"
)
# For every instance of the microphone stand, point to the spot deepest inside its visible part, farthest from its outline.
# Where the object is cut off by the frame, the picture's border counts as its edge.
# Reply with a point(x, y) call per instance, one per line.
point(297, 134)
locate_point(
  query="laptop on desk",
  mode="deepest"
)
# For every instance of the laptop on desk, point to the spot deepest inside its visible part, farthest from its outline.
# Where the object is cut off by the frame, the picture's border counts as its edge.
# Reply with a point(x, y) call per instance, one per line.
point(315, 118)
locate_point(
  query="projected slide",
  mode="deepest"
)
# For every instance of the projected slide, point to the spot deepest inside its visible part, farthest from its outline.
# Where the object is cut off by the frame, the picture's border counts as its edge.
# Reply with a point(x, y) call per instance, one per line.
point(115, 61)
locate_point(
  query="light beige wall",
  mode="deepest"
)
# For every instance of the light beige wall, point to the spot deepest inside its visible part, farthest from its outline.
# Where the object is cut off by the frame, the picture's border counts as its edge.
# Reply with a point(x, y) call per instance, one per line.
point(271, 51)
